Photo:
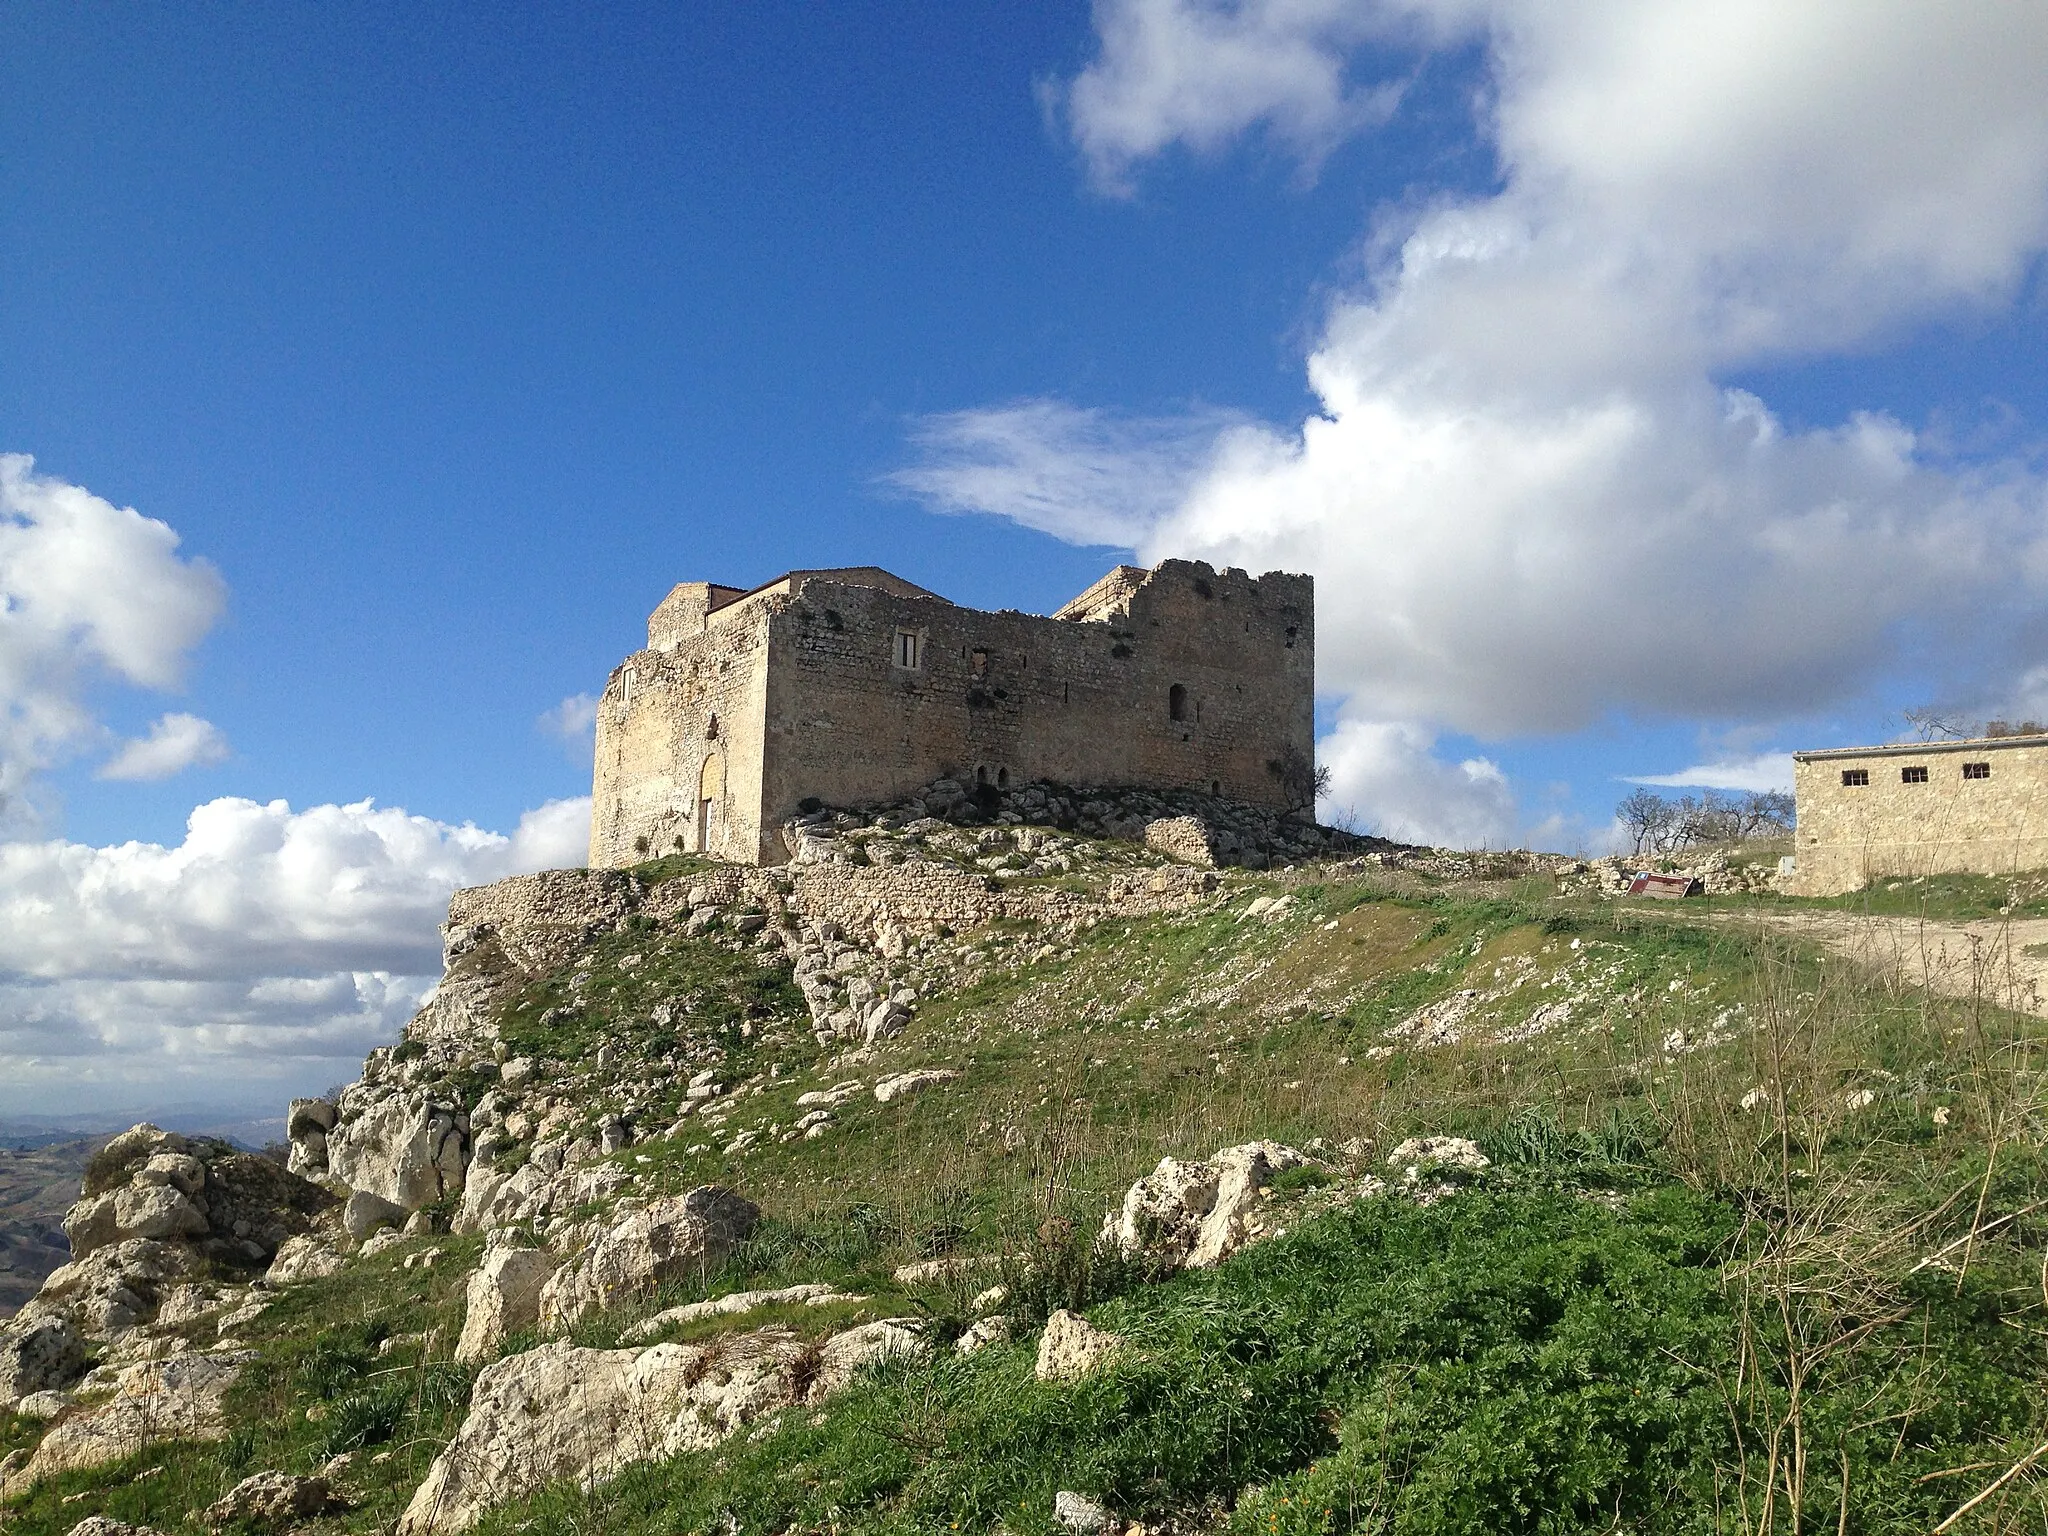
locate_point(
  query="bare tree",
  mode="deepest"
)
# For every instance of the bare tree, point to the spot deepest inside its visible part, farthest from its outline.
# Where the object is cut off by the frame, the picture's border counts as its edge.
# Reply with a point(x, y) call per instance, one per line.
point(2014, 728)
point(1302, 780)
point(1659, 825)
point(1933, 724)
point(1646, 816)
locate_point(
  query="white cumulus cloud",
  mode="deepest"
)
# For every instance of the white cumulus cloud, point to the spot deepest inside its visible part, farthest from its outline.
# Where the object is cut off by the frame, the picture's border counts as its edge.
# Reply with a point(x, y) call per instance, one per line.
point(174, 743)
point(1530, 497)
point(1760, 772)
point(1199, 73)
point(270, 945)
point(573, 721)
point(87, 590)
point(1385, 778)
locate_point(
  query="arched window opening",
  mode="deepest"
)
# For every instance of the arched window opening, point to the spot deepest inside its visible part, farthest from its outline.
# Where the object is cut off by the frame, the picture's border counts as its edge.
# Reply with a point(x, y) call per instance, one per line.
point(980, 773)
point(710, 794)
point(1002, 778)
point(1177, 702)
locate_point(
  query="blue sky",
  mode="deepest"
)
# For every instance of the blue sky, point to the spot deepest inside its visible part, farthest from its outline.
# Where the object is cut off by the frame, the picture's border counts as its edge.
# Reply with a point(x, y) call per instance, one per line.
point(1675, 379)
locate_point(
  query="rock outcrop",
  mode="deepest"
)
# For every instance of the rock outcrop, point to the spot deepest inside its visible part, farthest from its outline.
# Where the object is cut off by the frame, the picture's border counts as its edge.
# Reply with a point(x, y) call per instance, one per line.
point(561, 1411)
point(503, 1298)
point(153, 1185)
point(665, 1240)
point(272, 1500)
point(400, 1146)
point(158, 1212)
point(1072, 1347)
point(1194, 1215)
point(174, 1399)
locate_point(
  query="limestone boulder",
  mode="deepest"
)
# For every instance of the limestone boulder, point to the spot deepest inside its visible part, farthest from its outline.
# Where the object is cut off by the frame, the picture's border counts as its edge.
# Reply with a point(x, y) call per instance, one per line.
point(113, 1288)
point(904, 1085)
point(100, 1525)
point(38, 1354)
point(561, 1411)
point(503, 1298)
point(558, 1411)
point(272, 1500)
point(1072, 1347)
point(403, 1148)
point(365, 1212)
point(309, 1256)
point(845, 1355)
point(1422, 1155)
point(178, 1398)
point(1194, 1215)
point(537, 1190)
point(135, 1210)
point(665, 1240)
point(1081, 1514)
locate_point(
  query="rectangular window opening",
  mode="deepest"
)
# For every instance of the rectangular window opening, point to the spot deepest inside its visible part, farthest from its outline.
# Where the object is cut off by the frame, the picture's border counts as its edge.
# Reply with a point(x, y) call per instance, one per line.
point(907, 648)
point(1915, 775)
point(1855, 778)
point(1976, 770)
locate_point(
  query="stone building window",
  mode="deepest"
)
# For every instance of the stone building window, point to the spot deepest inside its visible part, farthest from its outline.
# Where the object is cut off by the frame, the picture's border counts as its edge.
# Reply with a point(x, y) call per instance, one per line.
point(711, 729)
point(1855, 778)
point(909, 649)
point(980, 663)
point(1916, 775)
point(1976, 770)
point(1176, 702)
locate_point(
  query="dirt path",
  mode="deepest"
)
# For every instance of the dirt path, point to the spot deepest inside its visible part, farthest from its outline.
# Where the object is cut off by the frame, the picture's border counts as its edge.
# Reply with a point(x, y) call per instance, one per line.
point(1990, 957)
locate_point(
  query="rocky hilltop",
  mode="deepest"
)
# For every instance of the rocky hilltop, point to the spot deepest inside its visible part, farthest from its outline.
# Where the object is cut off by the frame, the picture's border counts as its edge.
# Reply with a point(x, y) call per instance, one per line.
point(1046, 1163)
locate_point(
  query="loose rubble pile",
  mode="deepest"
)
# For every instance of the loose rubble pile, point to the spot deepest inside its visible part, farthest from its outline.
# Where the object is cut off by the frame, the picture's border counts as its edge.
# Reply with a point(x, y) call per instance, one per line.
point(1719, 873)
point(1200, 829)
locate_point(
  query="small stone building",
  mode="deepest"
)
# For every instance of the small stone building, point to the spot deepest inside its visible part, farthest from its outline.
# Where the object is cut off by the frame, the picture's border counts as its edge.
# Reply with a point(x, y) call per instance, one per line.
point(854, 687)
point(1919, 808)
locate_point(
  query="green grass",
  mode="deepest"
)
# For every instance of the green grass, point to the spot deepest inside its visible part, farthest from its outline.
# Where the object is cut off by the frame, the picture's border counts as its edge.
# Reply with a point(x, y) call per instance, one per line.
point(1515, 1359)
point(1943, 898)
point(1604, 1331)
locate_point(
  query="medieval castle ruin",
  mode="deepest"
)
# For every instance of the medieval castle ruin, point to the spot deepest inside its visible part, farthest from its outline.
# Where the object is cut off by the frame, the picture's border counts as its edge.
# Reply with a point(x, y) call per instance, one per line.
point(853, 687)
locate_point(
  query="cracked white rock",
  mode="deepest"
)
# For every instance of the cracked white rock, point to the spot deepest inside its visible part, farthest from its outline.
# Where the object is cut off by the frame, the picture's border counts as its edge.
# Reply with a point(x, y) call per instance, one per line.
point(1072, 1347)
point(1194, 1215)
point(503, 1297)
point(667, 1239)
point(904, 1084)
point(561, 1411)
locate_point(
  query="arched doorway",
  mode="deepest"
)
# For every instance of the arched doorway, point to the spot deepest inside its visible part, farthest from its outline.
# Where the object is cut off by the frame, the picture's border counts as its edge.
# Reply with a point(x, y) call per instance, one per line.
point(710, 795)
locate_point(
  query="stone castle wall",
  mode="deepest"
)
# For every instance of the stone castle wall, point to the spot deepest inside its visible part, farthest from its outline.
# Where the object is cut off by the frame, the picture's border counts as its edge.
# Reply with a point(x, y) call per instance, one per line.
point(856, 688)
point(681, 723)
point(1850, 834)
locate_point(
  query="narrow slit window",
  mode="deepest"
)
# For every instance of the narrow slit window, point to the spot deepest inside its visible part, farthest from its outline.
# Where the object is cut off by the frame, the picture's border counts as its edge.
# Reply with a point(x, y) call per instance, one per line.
point(1976, 770)
point(1855, 778)
point(907, 649)
point(1913, 775)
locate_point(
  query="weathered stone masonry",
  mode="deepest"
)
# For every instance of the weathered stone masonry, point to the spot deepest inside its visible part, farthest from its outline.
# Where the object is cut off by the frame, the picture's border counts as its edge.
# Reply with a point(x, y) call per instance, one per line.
point(854, 687)
point(1919, 808)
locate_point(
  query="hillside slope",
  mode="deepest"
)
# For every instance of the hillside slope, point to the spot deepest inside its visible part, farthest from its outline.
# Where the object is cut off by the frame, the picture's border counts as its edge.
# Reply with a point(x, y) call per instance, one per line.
point(832, 1198)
